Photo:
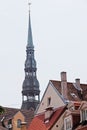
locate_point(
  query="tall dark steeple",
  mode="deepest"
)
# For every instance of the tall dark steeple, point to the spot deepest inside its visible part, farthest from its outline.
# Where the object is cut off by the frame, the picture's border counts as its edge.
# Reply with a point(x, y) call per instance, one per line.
point(30, 88)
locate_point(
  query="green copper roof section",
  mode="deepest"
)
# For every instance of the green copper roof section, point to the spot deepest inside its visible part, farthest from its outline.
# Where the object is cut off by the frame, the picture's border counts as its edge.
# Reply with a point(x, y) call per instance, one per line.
point(30, 39)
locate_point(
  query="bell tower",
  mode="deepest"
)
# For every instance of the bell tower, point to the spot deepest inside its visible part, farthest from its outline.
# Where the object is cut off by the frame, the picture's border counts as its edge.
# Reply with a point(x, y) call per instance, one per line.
point(30, 87)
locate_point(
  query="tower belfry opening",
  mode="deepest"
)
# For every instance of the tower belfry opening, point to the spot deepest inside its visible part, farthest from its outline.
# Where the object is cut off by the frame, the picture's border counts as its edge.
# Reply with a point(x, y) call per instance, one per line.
point(30, 87)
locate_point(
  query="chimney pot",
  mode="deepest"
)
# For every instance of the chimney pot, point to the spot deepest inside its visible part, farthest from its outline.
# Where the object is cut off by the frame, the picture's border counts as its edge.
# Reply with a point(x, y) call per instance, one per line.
point(63, 76)
point(77, 82)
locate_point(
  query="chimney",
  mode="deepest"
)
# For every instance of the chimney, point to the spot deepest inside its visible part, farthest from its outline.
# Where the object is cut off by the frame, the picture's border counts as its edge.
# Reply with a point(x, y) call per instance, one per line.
point(64, 85)
point(77, 81)
point(48, 114)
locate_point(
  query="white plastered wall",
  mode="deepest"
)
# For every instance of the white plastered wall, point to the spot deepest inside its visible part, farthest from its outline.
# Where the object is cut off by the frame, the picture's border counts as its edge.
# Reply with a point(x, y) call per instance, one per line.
point(56, 100)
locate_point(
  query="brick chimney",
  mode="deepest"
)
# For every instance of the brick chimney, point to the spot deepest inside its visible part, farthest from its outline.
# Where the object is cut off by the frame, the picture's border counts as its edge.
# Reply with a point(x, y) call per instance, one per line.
point(64, 85)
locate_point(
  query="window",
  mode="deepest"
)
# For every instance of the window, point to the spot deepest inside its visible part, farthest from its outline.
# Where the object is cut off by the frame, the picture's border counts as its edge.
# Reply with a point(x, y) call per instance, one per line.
point(68, 124)
point(84, 115)
point(34, 73)
point(49, 101)
point(18, 123)
point(30, 73)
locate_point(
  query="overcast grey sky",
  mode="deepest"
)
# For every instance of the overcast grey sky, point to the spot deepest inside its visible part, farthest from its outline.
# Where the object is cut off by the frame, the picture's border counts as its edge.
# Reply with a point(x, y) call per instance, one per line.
point(59, 30)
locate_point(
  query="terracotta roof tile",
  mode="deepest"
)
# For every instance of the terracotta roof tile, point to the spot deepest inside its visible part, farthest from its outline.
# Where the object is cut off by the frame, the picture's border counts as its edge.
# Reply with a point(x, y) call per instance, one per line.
point(72, 90)
point(38, 121)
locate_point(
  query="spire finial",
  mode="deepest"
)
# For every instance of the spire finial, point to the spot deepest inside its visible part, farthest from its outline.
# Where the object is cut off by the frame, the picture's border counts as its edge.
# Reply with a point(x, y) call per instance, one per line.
point(29, 6)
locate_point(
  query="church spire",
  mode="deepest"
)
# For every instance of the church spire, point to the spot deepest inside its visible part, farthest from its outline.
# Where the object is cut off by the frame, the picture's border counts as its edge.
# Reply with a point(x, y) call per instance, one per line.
point(30, 38)
point(30, 87)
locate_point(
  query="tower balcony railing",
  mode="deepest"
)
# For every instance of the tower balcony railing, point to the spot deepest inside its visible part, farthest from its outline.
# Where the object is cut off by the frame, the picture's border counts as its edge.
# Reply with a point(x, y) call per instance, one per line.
point(31, 100)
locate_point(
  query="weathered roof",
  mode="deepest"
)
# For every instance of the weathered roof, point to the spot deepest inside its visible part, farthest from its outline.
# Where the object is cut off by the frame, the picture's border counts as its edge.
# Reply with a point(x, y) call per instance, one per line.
point(38, 121)
point(10, 112)
point(73, 93)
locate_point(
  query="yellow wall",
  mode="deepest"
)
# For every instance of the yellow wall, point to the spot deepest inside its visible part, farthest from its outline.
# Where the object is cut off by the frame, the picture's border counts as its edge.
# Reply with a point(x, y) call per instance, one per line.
point(20, 116)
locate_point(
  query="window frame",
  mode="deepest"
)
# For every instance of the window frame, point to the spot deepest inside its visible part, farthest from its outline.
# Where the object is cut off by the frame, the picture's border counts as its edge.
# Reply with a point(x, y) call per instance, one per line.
point(84, 115)
point(48, 101)
point(19, 123)
point(68, 123)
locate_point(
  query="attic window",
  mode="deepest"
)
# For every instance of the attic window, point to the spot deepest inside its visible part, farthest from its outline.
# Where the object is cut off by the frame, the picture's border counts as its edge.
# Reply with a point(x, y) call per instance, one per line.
point(74, 95)
point(48, 101)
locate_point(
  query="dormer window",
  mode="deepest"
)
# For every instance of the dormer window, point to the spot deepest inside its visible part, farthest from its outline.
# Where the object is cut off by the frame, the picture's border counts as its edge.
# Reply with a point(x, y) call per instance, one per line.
point(68, 123)
point(84, 115)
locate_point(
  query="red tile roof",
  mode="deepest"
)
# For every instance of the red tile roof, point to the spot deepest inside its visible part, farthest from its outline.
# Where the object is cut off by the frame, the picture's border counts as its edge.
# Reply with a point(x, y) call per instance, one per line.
point(10, 112)
point(38, 121)
point(72, 89)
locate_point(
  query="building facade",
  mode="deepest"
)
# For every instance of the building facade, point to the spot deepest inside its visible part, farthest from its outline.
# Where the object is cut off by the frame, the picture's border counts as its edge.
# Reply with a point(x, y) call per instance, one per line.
point(15, 119)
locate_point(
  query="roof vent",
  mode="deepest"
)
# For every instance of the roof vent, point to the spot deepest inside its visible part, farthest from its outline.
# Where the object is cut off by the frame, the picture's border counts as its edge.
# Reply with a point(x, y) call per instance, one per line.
point(74, 95)
point(77, 84)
